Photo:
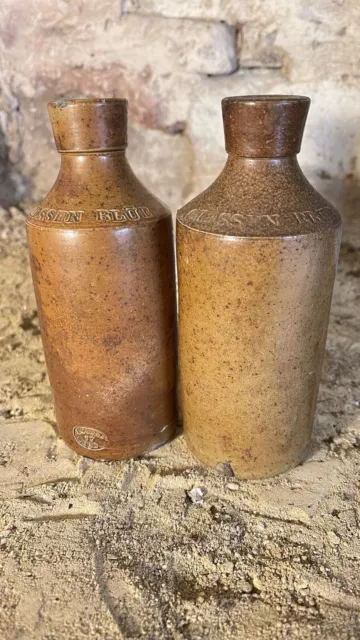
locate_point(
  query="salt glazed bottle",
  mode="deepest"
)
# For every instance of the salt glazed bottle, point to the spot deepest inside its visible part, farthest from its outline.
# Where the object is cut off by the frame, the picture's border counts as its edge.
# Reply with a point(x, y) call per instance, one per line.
point(102, 262)
point(257, 254)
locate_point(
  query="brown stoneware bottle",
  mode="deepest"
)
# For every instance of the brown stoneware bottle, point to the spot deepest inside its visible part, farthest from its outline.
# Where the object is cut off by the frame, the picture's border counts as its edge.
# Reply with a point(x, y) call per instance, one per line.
point(257, 254)
point(102, 262)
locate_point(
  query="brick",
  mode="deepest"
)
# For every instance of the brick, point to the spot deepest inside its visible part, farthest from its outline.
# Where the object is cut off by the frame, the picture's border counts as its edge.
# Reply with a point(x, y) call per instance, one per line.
point(258, 49)
point(307, 42)
point(194, 45)
point(210, 9)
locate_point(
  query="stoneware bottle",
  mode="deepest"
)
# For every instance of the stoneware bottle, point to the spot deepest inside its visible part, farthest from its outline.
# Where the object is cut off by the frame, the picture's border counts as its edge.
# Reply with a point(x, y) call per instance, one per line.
point(102, 262)
point(257, 254)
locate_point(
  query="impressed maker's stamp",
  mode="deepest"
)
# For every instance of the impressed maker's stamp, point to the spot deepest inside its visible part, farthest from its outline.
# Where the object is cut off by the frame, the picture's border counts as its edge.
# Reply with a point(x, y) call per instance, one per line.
point(118, 216)
point(91, 439)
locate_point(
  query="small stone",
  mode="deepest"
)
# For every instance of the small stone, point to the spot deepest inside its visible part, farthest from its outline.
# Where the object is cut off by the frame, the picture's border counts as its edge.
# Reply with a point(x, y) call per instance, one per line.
point(232, 486)
point(257, 583)
point(245, 586)
point(333, 538)
point(196, 495)
point(225, 468)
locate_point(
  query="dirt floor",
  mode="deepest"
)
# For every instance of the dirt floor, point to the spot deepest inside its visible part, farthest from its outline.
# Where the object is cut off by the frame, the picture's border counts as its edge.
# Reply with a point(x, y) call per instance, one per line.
point(121, 550)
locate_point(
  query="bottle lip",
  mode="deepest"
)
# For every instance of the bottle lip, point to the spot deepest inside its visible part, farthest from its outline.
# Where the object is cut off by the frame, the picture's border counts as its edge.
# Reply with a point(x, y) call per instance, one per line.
point(264, 126)
point(65, 102)
point(89, 125)
point(278, 98)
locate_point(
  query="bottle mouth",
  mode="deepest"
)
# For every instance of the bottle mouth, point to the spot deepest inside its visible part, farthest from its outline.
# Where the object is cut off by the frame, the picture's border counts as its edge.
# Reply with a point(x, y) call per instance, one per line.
point(252, 99)
point(89, 125)
point(64, 102)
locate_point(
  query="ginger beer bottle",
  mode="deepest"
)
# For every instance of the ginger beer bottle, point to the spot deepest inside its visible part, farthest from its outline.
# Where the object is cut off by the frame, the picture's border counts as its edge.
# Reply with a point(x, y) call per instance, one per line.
point(102, 262)
point(257, 254)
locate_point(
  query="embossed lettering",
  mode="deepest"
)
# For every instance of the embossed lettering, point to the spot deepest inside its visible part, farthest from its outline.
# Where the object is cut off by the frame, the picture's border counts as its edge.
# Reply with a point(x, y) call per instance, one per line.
point(118, 216)
point(109, 215)
point(56, 215)
point(274, 219)
point(74, 216)
point(126, 214)
point(317, 216)
point(301, 216)
point(131, 213)
point(144, 211)
point(238, 218)
point(203, 214)
point(89, 438)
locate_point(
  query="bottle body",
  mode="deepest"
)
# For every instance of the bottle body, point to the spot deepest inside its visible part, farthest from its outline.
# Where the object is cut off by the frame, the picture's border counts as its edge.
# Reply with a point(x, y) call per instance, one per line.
point(252, 341)
point(257, 255)
point(103, 270)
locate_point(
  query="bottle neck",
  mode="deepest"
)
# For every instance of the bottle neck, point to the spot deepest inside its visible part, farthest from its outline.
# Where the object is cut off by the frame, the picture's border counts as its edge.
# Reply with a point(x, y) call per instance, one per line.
point(89, 172)
point(236, 161)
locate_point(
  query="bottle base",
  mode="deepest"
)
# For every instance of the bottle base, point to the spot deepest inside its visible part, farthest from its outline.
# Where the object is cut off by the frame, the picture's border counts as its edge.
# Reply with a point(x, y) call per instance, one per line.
point(235, 468)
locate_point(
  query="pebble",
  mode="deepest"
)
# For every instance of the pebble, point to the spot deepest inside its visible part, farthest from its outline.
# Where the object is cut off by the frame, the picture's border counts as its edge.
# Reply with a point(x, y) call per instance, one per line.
point(232, 486)
point(333, 538)
point(245, 586)
point(196, 495)
point(257, 583)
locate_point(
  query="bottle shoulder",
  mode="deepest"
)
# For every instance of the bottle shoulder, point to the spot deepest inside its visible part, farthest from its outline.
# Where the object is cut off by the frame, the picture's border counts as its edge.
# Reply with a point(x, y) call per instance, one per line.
point(97, 190)
point(267, 209)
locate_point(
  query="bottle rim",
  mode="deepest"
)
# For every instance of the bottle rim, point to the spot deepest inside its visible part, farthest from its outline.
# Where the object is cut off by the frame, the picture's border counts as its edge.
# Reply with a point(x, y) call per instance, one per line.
point(64, 102)
point(266, 98)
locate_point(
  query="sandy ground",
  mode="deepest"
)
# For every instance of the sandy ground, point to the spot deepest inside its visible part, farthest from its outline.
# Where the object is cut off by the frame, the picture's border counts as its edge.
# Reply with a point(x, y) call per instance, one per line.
point(120, 550)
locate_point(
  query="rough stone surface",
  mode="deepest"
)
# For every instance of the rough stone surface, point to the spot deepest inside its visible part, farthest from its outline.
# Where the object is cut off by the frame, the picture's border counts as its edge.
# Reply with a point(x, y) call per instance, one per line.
point(160, 55)
point(123, 550)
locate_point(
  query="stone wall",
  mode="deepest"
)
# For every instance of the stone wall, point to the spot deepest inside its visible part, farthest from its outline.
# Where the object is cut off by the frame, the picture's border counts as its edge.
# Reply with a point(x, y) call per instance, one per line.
point(174, 60)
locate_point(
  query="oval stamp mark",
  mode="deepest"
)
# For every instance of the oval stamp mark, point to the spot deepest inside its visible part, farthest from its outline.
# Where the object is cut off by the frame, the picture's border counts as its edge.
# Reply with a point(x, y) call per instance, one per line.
point(91, 439)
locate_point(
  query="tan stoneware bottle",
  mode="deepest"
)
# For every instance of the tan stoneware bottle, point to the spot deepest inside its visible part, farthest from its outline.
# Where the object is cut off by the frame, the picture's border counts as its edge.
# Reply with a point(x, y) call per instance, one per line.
point(257, 254)
point(102, 262)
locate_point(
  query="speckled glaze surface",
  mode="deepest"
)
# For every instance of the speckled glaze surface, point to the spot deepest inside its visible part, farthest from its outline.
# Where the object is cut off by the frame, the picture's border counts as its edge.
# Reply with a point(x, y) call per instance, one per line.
point(102, 262)
point(257, 254)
